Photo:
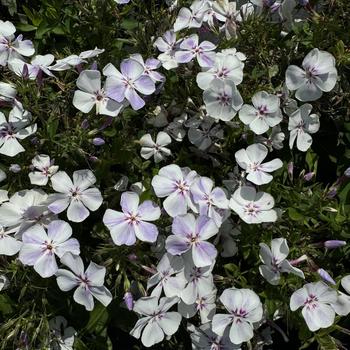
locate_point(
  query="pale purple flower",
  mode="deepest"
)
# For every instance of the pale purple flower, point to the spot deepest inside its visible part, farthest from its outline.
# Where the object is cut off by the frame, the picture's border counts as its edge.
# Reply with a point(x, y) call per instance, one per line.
point(317, 76)
point(98, 141)
point(264, 114)
point(168, 45)
point(150, 66)
point(222, 100)
point(253, 207)
point(11, 47)
point(18, 127)
point(125, 84)
point(251, 158)
point(89, 283)
point(92, 94)
point(25, 209)
point(244, 309)
point(204, 132)
point(158, 321)
point(77, 195)
point(174, 183)
point(8, 92)
point(169, 277)
point(44, 170)
point(226, 67)
point(204, 338)
point(342, 305)
point(190, 49)
point(132, 222)
point(316, 300)
point(39, 248)
point(301, 124)
point(9, 245)
point(212, 201)
point(308, 176)
point(191, 234)
point(274, 140)
point(193, 17)
point(156, 149)
point(204, 305)
point(199, 280)
point(15, 168)
point(275, 261)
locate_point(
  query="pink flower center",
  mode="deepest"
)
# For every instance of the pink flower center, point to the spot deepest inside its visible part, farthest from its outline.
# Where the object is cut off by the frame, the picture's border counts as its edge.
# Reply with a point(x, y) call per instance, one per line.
point(182, 186)
point(224, 99)
point(133, 219)
point(311, 302)
point(252, 209)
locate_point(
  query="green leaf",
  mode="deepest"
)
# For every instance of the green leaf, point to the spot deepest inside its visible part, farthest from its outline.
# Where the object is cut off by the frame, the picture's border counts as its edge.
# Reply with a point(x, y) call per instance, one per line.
point(98, 319)
point(295, 215)
point(5, 304)
point(25, 27)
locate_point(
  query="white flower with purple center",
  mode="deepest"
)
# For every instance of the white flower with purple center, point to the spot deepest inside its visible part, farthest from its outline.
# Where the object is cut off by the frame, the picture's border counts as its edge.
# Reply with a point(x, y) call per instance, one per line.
point(190, 234)
point(317, 76)
point(204, 305)
point(132, 222)
point(226, 67)
point(251, 159)
point(167, 44)
point(77, 195)
point(264, 114)
point(192, 17)
point(222, 100)
point(169, 277)
point(150, 66)
point(204, 338)
point(125, 84)
point(244, 309)
point(11, 47)
point(25, 209)
point(212, 201)
point(46, 169)
point(156, 149)
point(199, 281)
point(9, 245)
point(190, 49)
point(75, 60)
point(39, 248)
point(274, 140)
point(89, 283)
point(158, 321)
point(275, 261)
point(174, 183)
point(16, 128)
point(253, 207)
point(62, 337)
point(301, 124)
point(316, 300)
point(35, 69)
point(92, 94)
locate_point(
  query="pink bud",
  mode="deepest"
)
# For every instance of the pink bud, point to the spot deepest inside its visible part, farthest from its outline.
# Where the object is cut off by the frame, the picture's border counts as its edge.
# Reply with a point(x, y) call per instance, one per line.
point(298, 261)
point(290, 170)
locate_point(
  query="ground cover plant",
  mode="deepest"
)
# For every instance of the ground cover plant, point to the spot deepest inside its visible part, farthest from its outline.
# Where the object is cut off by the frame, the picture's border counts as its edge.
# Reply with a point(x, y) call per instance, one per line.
point(174, 174)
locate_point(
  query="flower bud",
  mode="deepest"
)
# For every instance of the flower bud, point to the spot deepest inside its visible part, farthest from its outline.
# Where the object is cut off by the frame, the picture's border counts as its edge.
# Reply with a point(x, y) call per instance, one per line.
point(333, 244)
point(309, 176)
point(326, 276)
point(93, 159)
point(290, 170)
point(15, 168)
point(347, 172)
point(98, 141)
point(85, 124)
point(129, 300)
point(94, 66)
point(299, 260)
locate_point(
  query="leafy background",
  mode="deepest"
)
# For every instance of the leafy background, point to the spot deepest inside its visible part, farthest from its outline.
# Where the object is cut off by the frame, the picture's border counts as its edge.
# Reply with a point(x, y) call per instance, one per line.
point(309, 215)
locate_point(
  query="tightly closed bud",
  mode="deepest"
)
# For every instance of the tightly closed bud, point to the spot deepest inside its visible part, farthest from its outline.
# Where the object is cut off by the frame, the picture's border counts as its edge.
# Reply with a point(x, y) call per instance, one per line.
point(15, 168)
point(326, 276)
point(129, 300)
point(290, 170)
point(98, 141)
point(333, 244)
point(85, 124)
point(94, 66)
point(93, 159)
point(332, 192)
point(309, 176)
point(299, 260)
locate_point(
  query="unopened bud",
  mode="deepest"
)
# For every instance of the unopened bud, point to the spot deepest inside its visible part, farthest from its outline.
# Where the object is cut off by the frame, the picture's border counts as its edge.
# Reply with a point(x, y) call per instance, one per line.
point(333, 244)
point(15, 168)
point(309, 176)
point(326, 276)
point(98, 141)
point(129, 300)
